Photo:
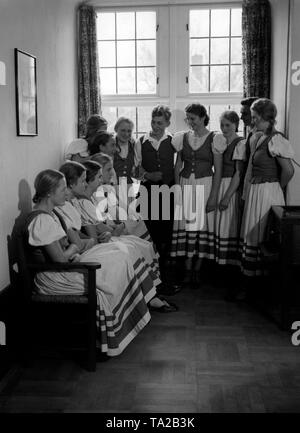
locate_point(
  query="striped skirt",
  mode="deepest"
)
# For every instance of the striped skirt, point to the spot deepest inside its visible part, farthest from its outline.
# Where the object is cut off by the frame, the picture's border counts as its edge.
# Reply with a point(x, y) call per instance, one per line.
point(193, 229)
point(227, 228)
point(124, 287)
point(259, 199)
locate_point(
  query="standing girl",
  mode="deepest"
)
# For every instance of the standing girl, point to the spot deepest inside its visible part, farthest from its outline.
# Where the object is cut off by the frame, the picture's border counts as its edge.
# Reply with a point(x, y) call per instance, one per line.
point(269, 171)
point(228, 213)
point(198, 170)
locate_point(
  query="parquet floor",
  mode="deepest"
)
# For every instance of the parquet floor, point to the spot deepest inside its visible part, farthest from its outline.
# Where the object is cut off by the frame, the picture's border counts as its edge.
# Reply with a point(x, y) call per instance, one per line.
point(211, 356)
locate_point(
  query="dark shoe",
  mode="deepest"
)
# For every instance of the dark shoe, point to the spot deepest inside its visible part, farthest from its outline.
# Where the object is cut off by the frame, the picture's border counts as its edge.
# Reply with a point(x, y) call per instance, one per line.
point(171, 308)
point(169, 290)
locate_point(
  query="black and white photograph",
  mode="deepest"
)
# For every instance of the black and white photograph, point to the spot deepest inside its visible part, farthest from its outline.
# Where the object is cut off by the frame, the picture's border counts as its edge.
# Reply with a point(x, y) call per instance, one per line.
point(150, 211)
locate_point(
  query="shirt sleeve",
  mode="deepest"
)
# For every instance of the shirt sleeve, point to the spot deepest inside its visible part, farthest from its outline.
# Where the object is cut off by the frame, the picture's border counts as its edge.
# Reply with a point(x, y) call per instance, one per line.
point(70, 216)
point(44, 230)
point(280, 146)
point(219, 144)
point(87, 211)
point(239, 153)
point(177, 140)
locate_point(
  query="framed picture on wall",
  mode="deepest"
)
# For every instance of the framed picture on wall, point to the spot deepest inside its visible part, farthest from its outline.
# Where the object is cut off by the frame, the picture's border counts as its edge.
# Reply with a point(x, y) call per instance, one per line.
point(26, 93)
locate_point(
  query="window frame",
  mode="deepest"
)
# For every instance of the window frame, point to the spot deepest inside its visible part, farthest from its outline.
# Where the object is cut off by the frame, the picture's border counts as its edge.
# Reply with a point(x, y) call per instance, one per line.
point(172, 52)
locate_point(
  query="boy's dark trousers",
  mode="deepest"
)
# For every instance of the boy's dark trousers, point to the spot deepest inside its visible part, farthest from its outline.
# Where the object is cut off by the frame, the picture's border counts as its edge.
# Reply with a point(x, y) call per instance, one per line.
point(160, 229)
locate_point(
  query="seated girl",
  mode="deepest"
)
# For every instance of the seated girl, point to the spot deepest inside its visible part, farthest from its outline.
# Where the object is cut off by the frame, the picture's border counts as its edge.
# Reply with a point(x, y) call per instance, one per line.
point(127, 214)
point(122, 310)
point(138, 249)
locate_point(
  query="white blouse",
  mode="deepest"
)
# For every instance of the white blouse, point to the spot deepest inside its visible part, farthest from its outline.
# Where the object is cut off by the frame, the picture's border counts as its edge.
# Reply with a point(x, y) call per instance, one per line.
point(87, 210)
point(70, 215)
point(45, 229)
point(239, 153)
point(219, 144)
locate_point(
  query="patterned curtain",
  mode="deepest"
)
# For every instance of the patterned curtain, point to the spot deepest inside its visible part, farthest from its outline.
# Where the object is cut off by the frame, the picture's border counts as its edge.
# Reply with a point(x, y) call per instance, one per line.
point(256, 47)
point(89, 80)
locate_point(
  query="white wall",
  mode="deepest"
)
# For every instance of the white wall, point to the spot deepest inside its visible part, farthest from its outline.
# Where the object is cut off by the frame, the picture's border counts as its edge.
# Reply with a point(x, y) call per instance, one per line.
point(294, 102)
point(279, 59)
point(46, 29)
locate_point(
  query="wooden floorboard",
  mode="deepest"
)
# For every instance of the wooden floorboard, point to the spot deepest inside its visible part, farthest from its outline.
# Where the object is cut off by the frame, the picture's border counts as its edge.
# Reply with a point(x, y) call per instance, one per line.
point(211, 356)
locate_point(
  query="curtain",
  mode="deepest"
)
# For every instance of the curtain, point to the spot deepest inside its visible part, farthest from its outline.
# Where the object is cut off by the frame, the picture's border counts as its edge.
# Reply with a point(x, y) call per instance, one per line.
point(89, 80)
point(256, 47)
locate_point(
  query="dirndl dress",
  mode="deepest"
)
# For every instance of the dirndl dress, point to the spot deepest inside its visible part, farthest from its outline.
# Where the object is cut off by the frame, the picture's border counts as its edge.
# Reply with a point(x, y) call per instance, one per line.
point(261, 193)
point(187, 239)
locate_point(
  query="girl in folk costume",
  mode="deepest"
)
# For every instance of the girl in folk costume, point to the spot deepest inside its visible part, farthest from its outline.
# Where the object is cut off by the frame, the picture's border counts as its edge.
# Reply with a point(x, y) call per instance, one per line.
point(140, 251)
point(198, 170)
point(269, 171)
point(122, 211)
point(78, 149)
point(228, 213)
point(124, 157)
point(122, 298)
point(105, 143)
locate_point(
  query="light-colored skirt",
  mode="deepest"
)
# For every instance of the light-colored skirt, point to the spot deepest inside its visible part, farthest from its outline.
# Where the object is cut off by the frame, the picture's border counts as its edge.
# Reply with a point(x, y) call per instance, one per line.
point(193, 229)
point(259, 199)
point(227, 228)
point(141, 248)
point(124, 288)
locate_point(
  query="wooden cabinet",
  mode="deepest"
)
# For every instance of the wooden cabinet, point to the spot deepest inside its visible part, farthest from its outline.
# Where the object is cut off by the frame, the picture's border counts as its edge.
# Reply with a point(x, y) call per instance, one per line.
point(285, 237)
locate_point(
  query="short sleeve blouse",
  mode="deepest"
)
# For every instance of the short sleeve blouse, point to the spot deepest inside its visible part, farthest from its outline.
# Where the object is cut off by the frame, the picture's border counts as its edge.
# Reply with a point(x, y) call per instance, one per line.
point(280, 146)
point(70, 215)
point(218, 145)
point(45, 229)
point(87, 211)
point(239, 153)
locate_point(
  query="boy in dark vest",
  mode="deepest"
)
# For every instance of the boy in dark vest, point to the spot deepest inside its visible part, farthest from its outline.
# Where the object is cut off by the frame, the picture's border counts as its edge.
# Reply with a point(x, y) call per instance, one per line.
point(155, 154)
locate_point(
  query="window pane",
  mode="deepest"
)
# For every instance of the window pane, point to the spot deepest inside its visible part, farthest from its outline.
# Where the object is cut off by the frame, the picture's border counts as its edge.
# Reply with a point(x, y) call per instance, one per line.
point(198, 79)
point(146, 53)
point(107, 55)
point(126, 80)
point(108, 81)
point(199, 23)
point(146, 25)
point(144, 119)
point(129, 112)
point(199, 51)
point(236, 22)
point(220, 22)
point(220, 50)
point(110, 114)
point(146, 80)
point(214, 114)
point(236, 78)
point(106, 26)
point(125, 53)
point(219, 78)
point(236, 50)
point(125, 25)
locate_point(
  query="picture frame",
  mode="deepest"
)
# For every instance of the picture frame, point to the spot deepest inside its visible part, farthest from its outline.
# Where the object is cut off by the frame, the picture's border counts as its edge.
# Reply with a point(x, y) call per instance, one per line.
point(26, 93)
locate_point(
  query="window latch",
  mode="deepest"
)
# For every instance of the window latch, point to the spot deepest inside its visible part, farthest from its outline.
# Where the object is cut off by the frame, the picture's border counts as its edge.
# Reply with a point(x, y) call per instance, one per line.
point(187, 80)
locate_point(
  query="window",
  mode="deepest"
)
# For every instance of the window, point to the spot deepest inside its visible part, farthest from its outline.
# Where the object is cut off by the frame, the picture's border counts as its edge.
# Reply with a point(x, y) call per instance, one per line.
point(127, 52)
point(215, 47)
point(171, 55)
